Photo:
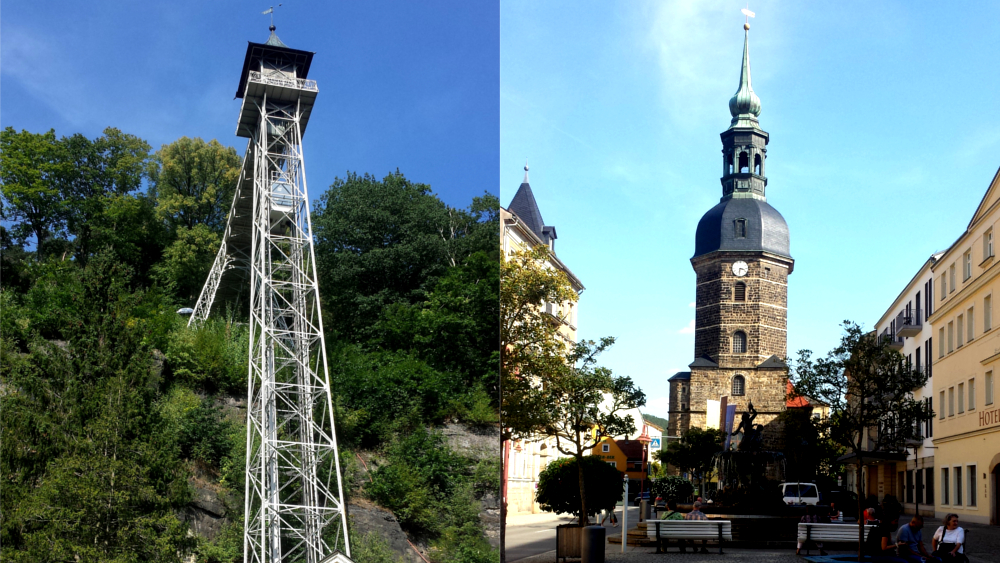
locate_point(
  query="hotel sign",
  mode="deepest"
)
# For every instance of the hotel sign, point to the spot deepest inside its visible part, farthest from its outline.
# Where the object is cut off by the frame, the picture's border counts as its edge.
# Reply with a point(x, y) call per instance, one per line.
point(987, 418)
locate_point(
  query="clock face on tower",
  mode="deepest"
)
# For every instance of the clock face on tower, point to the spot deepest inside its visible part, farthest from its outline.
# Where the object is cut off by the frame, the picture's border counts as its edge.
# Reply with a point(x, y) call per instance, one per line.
point(740, 268)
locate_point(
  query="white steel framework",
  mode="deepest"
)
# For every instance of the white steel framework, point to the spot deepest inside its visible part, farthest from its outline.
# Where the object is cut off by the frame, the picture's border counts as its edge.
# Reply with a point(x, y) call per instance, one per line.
point(294, 497)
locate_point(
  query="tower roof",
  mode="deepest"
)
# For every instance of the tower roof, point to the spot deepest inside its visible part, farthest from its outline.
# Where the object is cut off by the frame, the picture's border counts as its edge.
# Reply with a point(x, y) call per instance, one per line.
point(274, 49)
point(526, 208)
point(745, 105)
point(764, 229)
point(273, 39)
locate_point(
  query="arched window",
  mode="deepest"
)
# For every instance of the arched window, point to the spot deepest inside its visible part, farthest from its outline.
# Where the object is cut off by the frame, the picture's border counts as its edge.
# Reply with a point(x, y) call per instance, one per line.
point(756, 164)
point(739, 386)
point(740, 292)
point(739, 342)
point(744, 162)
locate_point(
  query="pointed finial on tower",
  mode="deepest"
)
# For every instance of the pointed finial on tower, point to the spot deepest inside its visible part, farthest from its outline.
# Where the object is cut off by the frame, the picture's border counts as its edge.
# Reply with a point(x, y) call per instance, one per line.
point(525, 171)
point(745, 105)
point(273, 39)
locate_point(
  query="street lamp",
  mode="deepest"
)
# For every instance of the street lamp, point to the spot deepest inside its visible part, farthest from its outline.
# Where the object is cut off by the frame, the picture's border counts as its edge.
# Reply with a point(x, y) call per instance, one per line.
point(644, 439)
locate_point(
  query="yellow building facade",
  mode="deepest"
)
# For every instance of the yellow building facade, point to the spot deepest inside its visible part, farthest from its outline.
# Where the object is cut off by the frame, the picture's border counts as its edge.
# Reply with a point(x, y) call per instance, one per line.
point(523, 229)
point(967, 362)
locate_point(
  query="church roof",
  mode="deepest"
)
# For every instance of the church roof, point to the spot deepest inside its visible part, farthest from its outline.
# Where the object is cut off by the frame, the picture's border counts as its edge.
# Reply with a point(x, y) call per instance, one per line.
point(703, 362)
point(766, 229)
point(681, 376)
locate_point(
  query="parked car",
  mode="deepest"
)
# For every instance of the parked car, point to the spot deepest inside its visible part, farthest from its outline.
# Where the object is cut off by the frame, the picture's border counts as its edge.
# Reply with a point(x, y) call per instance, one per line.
point(641, 497)
point(800, 493)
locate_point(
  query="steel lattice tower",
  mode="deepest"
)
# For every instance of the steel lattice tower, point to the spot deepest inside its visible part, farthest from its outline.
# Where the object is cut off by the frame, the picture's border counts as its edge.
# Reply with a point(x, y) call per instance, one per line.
point(294, 498)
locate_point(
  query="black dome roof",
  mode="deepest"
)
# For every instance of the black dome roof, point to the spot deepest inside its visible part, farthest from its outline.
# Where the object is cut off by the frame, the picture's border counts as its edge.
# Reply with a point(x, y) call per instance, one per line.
point(766, 229)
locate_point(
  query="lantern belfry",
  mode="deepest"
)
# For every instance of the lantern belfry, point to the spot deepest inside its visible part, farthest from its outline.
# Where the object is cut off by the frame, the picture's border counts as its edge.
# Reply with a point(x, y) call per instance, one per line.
point(294, 498)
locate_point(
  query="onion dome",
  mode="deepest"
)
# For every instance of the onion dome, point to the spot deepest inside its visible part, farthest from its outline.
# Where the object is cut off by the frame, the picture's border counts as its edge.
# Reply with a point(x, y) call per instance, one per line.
point(745, 105)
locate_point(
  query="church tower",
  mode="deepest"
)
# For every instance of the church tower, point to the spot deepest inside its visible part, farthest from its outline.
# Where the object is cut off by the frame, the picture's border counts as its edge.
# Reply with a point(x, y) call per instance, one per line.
point(742, 262)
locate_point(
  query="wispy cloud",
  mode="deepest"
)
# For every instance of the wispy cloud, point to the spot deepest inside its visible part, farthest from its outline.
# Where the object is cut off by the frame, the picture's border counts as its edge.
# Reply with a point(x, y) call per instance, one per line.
point(689, 329)
point(691, 304)
point(658, 406)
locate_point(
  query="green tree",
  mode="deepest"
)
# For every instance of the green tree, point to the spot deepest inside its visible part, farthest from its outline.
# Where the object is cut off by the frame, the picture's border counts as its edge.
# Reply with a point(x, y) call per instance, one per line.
point(585, 404)
point(559, 486)
point(194, 183)
point(384, 242)
point(694, 453)
point(101, 171)
point(32, 169)
point(531, 348)
point(809, 452)
point(454, 329)
point(187, 261)
point(869, 387)
point(672, 487)
point(87, 474)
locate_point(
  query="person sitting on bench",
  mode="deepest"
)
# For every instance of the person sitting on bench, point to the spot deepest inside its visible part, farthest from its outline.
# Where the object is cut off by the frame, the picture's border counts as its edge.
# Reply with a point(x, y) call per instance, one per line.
point(696, 514)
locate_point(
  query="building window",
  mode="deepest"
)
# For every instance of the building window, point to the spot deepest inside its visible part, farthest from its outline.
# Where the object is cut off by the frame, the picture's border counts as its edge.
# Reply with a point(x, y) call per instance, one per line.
point(739, 386)
point(988, 244)
point(741, 228)
point(961, 398)
point(961, 325)
point(989, 388)
point(971, 485)
point(929, 484)
point(740, 292)
point(987, 313)
point(944, 286)
point(951, 278)
point(951, 401)
point(957, 474)
point(945, 486)
point(929, 423)
point(613, 464)
point(972, 394)
point(941, 401)
point(739, 342)
point(941, 342)
point(970, 324)
point(756, 164)
point(951, 337)
point(744, 162)
point(967, 266)
point(605, 448)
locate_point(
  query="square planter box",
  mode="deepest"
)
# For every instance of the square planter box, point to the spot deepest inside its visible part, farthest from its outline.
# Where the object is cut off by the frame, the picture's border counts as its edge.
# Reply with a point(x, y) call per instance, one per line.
point(568, 540)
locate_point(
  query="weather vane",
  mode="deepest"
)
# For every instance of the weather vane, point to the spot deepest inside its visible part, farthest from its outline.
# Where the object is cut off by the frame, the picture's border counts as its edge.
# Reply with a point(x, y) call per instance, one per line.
point(271, 12)
point(746, 12)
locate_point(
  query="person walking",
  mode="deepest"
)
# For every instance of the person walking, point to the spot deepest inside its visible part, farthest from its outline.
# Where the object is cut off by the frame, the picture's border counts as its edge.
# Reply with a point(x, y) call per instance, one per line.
point(946, 544)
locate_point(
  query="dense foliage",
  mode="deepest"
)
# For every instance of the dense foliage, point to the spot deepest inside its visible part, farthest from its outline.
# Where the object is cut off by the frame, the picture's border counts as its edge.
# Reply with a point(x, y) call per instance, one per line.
point(694, 453)
point(559, 485)
point(672, 487)
point(116, 416)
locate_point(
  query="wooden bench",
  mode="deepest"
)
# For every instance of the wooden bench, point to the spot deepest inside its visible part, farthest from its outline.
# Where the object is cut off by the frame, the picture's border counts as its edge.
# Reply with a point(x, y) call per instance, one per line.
point(847, 533)
point(715, 530)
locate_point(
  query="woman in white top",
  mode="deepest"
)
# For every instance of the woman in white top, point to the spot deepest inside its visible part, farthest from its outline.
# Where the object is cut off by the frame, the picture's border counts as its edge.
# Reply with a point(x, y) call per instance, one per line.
point(949, 539)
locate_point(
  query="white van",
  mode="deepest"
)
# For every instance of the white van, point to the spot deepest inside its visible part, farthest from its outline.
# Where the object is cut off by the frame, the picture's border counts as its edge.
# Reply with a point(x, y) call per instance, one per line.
point(800, 493)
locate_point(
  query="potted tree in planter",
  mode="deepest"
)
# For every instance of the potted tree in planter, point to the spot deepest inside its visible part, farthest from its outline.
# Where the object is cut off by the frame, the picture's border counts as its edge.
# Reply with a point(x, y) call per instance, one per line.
point(559, 491)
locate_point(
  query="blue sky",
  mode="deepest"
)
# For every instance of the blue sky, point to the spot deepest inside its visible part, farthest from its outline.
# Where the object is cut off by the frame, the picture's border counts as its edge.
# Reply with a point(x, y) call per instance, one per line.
point(884, 138)
point(402, 85)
